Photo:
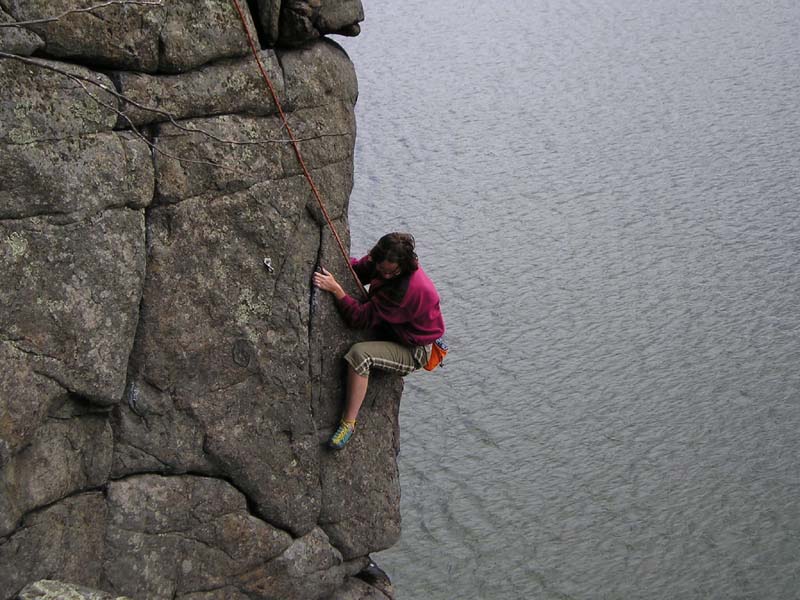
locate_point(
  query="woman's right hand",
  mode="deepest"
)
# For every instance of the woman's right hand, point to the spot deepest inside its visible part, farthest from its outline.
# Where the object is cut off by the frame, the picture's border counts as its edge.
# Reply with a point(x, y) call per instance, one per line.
point(327, 282)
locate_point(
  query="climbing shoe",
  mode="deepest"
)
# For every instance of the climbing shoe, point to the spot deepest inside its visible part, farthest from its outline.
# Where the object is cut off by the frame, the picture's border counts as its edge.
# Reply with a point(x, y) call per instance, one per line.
point(342, 435)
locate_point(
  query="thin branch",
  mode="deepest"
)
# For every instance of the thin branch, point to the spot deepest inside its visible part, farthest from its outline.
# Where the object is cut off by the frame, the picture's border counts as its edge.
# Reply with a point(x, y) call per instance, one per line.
point(169, 116)
point(88, 9)
point(153, 146)
point(82, 81)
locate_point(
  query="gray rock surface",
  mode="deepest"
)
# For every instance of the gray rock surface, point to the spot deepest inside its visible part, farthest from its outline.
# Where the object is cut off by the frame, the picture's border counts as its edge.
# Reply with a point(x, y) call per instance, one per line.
point(261, 151)
point(170, 536)
point(75, 177)
point(361, 503)
point(65, 457)
point(165, 398)
point(317, 73)
point(310, 568)
point(171, 36)
point(17, 40)
point(232, 341)
point(25, 398)
point(228, 87)
point(65, 540)
point(40, 104)
point(71, 293)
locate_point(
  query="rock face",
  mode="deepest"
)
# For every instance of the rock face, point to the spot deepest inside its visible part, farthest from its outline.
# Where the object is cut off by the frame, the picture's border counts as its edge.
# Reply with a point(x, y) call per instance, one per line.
point(169, 36)
point(165, 398)
point(294, 22)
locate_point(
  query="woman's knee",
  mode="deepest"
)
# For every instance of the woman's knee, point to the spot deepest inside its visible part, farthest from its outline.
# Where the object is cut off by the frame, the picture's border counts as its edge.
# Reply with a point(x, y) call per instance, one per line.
point(359, 359)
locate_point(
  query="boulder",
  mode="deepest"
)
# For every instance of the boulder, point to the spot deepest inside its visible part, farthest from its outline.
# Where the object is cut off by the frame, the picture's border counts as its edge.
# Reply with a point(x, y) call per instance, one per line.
point(171, 37)
point(336, 16)
point(310, 569)
point(64, 457)
point(295, 22)
point(361, 487)
point(17, 40)
point(71, 295)
point(225, 593)
point(173, 536)
point(43, 100)
point(155, 434)
point(376, 578)
point(63, 541)
point(261, 151)
point(46, 589)
point(226, 87)
point(307, 77)
point(75, 177)
point(317, 74)
point(25, 398)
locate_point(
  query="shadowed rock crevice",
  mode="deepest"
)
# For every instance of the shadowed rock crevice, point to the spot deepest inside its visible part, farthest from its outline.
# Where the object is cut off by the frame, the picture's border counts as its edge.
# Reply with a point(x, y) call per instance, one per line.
point(261, 37)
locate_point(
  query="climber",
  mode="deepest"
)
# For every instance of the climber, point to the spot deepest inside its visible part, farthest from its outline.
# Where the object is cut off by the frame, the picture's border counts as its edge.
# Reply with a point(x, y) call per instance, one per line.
point(402, 304)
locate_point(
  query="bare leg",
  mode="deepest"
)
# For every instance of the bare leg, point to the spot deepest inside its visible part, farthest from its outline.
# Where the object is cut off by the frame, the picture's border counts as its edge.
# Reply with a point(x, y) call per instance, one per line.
point(356, 392)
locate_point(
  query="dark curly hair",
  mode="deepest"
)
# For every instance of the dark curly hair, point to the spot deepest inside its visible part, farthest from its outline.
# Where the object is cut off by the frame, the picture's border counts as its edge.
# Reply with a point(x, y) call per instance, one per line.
point(396, 248)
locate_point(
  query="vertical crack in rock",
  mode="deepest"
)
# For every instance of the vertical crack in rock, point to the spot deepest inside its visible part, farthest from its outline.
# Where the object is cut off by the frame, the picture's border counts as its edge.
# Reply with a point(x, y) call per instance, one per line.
point(129, 396)
point(313, 307)
point(315, 378)
point(140, 304)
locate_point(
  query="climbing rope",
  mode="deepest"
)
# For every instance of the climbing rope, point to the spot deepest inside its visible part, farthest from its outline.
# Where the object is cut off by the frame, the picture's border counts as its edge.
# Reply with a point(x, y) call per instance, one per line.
point(296, 146)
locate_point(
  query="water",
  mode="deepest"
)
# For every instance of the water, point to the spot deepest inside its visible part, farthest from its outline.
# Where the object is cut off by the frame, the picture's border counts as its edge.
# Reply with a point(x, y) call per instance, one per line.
point(606, 196)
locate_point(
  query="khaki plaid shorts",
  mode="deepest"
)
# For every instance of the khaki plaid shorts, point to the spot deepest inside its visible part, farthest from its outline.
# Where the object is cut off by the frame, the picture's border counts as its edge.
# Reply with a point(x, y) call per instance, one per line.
point(388, 356)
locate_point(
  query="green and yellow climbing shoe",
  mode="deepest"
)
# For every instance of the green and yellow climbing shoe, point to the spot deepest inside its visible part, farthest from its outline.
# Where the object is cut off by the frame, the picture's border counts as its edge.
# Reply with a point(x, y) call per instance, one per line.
point(342, 435)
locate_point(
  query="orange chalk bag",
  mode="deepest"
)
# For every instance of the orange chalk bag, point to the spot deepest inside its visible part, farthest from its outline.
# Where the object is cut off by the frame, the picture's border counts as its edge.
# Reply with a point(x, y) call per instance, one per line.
point(438, 352)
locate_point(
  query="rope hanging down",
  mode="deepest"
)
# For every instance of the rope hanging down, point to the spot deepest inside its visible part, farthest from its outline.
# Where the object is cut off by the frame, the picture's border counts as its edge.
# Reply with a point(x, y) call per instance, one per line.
point(296, 146)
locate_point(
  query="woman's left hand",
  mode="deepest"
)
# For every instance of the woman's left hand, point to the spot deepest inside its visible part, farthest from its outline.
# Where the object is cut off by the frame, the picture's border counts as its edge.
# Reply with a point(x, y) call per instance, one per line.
point(325, 281)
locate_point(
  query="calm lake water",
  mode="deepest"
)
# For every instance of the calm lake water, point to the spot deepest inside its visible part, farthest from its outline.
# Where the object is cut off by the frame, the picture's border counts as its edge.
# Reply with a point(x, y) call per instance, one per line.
point(606, 194)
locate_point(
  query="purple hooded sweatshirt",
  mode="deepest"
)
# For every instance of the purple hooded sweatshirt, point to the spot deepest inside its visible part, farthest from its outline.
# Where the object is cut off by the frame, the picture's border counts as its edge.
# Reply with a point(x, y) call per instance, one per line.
point(408, 303)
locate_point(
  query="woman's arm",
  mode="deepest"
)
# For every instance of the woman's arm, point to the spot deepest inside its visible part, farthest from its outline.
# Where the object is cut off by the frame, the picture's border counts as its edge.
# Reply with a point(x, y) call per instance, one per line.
point(360, 315)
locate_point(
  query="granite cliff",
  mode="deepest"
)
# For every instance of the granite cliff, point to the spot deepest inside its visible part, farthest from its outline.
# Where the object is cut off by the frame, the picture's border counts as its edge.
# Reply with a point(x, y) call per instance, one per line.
point(164, 397)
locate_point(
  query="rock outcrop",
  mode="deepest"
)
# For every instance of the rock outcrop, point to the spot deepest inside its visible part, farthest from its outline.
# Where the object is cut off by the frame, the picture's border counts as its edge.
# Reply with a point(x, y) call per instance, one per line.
point(57, 590)
point(165, 398)
point(294, 22)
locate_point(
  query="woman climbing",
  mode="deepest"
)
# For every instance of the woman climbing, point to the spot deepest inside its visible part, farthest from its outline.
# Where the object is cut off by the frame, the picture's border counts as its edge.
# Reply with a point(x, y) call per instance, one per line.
point(403, 303)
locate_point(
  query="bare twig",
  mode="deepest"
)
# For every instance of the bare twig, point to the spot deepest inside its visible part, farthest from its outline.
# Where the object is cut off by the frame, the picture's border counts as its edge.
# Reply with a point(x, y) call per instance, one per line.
point(88, 9)
point(169, 116)
point(153, 146)
point(82, 82)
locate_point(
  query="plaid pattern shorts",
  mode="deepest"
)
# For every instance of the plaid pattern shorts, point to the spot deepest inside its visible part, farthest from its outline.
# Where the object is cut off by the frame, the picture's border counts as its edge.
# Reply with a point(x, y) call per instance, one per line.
point(388, 356)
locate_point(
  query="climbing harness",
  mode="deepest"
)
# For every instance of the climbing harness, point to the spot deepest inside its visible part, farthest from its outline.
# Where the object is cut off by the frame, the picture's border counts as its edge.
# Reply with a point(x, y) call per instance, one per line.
point(296, 146)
